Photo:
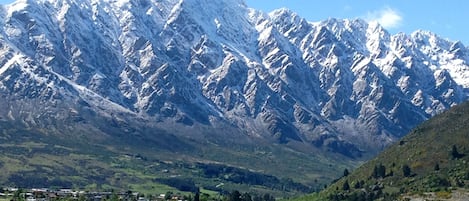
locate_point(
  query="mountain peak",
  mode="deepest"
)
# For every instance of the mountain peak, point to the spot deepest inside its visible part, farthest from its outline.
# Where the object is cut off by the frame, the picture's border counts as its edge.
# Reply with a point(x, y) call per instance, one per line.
point(342, 85)
point(429, 38)
point(282, 12)
point(19, 5)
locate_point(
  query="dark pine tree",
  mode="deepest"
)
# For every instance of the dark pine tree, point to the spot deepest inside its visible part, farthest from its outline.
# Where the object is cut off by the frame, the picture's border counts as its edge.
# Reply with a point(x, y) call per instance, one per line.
point(455, 153)
point(246, 197)
point(357, 185)
point(268, 197)
point(379, 171)
point(235, 196)
point(375, 172)
point(346, 186)
point(346, 172)
point(406, 171)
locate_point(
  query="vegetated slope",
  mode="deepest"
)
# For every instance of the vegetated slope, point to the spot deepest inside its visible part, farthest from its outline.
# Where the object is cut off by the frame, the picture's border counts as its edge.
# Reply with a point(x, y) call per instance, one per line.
point(217, 82)
point(432, 158)
point(32, 158)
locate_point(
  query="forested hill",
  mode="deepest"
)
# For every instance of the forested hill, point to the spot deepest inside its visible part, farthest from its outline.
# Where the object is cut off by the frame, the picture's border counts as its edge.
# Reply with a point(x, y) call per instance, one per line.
point(432, 160)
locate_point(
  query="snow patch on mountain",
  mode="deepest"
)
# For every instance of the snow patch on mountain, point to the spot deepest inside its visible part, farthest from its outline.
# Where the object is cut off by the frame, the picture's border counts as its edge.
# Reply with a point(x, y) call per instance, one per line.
point(341, 84)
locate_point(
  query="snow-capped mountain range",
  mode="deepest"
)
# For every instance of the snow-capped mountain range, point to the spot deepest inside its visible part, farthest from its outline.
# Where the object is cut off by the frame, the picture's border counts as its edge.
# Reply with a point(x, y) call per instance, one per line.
point(345, 85)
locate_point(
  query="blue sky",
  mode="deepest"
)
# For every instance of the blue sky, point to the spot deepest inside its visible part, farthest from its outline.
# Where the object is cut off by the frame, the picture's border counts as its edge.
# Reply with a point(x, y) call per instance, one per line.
point(448, 18)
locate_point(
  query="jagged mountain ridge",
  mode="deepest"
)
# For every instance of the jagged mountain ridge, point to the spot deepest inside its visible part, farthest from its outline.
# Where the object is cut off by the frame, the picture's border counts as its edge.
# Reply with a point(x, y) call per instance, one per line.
point(346, 85)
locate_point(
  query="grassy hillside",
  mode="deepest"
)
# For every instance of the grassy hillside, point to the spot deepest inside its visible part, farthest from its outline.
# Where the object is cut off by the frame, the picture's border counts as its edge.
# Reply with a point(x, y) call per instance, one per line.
point(434, 157)
point(153, 161)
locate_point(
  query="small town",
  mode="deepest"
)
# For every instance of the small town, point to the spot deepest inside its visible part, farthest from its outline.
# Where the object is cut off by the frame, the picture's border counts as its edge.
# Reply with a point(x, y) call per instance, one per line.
point(45, 194)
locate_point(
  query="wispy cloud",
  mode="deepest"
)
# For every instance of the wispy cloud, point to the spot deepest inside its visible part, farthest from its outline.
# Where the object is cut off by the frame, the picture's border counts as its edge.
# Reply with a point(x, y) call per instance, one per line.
point(387, 17)
point(348, 8)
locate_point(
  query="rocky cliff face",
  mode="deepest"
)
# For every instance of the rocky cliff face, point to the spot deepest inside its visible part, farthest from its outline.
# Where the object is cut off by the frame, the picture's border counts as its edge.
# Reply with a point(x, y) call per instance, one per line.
point(345, 85)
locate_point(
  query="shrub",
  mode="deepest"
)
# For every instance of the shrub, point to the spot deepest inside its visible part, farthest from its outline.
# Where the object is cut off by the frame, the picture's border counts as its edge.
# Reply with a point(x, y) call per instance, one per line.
point(406, 171)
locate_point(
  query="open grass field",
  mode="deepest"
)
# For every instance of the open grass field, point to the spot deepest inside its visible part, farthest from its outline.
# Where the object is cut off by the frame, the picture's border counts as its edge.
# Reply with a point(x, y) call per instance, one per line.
point(33, 159)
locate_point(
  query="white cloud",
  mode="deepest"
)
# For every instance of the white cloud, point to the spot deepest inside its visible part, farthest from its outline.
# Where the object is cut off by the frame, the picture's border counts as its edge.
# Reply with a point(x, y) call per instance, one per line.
point(348, 8)
point(388, 18)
